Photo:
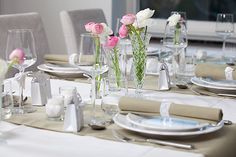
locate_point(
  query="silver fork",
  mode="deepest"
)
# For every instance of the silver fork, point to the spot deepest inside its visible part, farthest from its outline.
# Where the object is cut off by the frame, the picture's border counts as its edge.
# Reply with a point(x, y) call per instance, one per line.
point(124, 138)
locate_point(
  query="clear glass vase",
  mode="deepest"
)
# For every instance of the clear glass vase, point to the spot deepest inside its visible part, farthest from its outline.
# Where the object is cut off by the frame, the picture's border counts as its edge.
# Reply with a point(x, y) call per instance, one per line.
point(139, 49)
point(115, 75)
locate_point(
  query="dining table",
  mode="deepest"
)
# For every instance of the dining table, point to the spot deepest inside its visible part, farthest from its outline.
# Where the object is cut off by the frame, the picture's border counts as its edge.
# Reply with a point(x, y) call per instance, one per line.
point(22, 137)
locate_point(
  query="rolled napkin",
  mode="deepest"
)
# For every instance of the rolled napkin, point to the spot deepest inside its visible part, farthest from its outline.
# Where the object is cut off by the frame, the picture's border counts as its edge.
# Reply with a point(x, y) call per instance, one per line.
point(137, 105)
point(215, 71)
point(56, 58)
point(64, 59)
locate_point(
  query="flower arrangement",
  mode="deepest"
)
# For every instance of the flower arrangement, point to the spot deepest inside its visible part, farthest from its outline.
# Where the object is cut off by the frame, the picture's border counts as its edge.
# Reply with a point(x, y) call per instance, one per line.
point(135, 26)
point(174, 21)
point(99, 31)
point(112, 50)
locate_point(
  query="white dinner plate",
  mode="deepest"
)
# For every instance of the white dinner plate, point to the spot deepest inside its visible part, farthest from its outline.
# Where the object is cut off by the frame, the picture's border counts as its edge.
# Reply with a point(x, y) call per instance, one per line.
point(221, 83)
point(199, 82)
point(122, 122)
point(162, 124)
point(61, 73)
point(61, 67)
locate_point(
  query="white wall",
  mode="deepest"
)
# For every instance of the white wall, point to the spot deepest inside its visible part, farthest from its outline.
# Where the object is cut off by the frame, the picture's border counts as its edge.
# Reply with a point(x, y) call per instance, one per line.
point(49, 11)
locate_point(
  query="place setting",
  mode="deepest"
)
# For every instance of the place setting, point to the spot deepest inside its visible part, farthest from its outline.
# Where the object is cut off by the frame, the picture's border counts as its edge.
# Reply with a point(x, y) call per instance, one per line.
point(216, 78)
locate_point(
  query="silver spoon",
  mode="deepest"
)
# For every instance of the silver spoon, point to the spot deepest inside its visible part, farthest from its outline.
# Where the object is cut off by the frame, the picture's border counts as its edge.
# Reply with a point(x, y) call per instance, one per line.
point(97, 126)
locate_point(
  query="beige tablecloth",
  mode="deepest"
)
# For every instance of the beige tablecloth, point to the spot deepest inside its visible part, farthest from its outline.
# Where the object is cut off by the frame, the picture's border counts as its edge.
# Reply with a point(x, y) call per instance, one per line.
point(219, 144)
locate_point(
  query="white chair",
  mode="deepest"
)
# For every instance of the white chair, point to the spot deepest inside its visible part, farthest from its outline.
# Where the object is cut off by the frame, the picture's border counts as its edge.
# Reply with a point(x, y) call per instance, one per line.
point(24, 21)
point(73, 25)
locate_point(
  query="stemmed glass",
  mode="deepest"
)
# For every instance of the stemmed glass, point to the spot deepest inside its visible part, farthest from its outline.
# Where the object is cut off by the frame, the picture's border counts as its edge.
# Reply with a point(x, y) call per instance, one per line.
point(21, 39)
point(175, 38)
point(224, 28)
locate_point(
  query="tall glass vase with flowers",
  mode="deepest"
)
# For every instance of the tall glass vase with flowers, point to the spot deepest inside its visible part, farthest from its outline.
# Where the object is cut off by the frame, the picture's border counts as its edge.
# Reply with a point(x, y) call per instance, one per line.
point(112, 51)
point(175, 38)
point(99, 33)
point(135, 26)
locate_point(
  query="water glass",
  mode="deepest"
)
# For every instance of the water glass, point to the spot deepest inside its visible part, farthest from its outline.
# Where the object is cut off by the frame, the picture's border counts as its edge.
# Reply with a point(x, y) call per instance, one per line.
point(186, 70)
point(6, 100)
point(68, 93)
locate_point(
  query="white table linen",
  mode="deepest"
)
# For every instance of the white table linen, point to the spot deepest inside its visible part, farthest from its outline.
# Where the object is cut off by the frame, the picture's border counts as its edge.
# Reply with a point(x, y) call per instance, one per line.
point(26, 141)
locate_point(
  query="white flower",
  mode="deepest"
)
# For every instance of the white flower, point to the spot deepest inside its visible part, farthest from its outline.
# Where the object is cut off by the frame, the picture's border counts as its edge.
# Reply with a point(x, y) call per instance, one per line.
point(143, 18)
point(174, 19)
point(3, 68)
point(144, 14)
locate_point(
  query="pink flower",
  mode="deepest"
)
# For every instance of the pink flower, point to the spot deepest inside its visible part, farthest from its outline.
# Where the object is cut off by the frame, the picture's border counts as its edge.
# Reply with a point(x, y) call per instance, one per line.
point(88, 26)
point(17, 56)
point(128, 19)
point(97, 28)
point(111, 42)
point(123, 31)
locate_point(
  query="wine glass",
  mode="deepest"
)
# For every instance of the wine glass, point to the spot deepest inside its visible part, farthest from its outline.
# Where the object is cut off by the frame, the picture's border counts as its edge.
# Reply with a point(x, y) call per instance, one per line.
point(224, 28)
point(21, 40)
point(175, 38)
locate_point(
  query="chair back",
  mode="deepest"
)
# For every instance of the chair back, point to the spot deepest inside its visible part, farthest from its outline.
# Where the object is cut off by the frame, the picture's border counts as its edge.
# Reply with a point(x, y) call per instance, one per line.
point(24, 21)
point(73, 25)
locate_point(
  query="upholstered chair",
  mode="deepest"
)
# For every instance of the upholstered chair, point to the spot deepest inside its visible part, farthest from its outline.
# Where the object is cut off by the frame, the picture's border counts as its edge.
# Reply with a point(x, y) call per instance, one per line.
point(24, 21)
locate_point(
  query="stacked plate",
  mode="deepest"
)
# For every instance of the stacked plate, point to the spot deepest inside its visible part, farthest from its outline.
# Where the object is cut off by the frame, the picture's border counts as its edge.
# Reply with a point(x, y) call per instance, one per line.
point(65, 70)
point(223, 85)
point(156, 125)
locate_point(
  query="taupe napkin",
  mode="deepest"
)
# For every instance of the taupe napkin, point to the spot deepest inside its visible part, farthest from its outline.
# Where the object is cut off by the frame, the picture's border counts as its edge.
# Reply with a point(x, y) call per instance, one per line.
point(215, 71)
point(56, 58)
point(137, 105)
point(64, 59)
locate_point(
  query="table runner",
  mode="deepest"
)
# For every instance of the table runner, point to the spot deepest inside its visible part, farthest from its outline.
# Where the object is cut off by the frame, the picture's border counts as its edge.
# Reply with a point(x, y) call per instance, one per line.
point(151, 82)
point(218, 144)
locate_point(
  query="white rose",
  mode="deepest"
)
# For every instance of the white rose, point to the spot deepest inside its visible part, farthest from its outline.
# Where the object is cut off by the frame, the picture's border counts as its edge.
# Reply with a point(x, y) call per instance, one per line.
point(174, 19)
point(144, 14)
point(143, 18)
point(3, 68)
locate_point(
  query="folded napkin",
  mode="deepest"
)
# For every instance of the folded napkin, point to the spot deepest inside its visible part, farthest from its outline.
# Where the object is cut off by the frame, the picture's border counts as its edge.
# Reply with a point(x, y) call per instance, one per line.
point(64, 59)
point(56, 58)
point(215, 71)
point(137, 105)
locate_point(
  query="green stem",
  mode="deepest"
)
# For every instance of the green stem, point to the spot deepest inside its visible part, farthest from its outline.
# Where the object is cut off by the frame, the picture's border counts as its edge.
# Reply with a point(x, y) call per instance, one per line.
point(116, 65)
point(177, 33)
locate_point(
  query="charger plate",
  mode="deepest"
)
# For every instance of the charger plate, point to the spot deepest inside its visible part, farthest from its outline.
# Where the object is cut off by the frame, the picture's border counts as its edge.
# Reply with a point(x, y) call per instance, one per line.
point(121, 121)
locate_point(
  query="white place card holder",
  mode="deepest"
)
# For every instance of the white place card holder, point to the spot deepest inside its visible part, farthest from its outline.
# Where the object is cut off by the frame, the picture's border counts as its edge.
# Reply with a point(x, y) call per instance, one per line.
point(40, 89)
point(229, 73)
point(164, 78)
point(74, 120)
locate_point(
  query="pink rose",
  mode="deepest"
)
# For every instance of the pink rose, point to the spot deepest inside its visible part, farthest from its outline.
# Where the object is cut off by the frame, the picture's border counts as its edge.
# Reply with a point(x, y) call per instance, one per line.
point(123, 31)
point(17, 55)
point(128, 19)
point(111, 42)
point(88, 26)
point(97, 28)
